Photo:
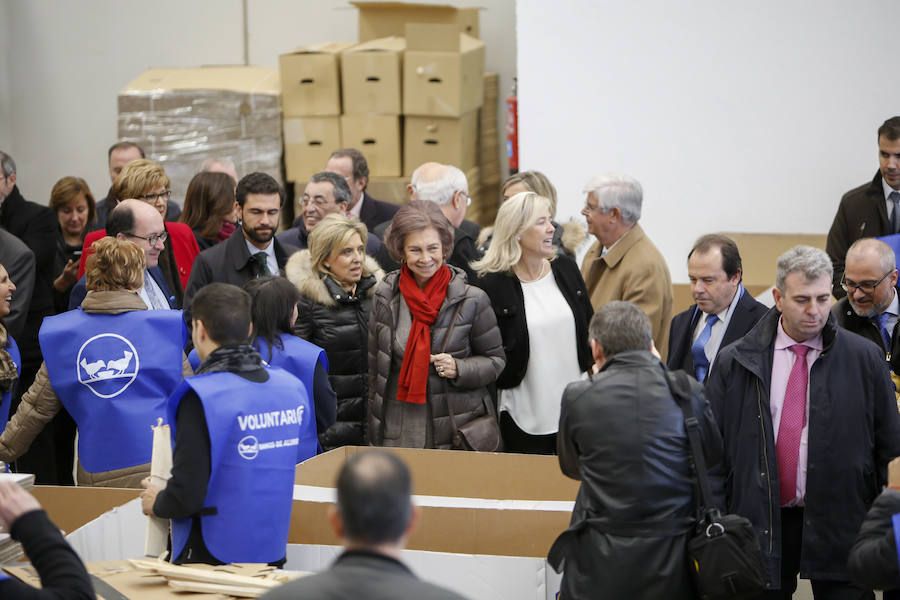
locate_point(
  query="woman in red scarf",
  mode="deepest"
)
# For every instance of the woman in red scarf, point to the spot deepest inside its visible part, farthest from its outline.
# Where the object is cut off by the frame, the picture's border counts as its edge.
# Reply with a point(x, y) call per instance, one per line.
point(434, 346)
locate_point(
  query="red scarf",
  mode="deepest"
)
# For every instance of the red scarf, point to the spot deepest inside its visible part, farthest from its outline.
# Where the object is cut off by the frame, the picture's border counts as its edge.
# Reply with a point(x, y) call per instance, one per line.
point(424, 306)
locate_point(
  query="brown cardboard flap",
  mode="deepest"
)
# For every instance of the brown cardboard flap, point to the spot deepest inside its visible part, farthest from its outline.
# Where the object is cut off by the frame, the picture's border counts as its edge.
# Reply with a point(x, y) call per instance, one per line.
point(433, 37)
point(323, 48)
point(257, 80)
point(389, 44)
point(383, 19)
point(71, 507)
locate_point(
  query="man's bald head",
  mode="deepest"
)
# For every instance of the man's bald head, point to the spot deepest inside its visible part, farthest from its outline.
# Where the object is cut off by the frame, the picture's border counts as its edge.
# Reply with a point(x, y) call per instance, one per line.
point(870, 275)
point(141, 223)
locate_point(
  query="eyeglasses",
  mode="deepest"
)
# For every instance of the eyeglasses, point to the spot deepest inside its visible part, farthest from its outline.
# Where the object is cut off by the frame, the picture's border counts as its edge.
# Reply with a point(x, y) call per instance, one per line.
point(468, 198)
point(153, 238)
point(866, 287)
point(319, 202)
point(156, 198)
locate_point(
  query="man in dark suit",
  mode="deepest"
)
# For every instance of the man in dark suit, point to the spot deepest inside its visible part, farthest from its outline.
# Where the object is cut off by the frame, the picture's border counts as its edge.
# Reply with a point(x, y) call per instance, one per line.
point(374, 517)
point(871, 209)
point(350, 164)
point(251, 251)
point(723, 312)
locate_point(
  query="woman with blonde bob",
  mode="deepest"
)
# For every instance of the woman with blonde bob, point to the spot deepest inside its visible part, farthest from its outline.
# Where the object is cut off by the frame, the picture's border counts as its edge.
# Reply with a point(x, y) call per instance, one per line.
point(543, 310)
point(336, 281)
point(112, 364)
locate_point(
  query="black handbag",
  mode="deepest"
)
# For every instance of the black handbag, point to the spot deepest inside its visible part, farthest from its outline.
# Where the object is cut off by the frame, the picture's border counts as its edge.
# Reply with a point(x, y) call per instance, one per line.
point(723, 552)
point(481, 434)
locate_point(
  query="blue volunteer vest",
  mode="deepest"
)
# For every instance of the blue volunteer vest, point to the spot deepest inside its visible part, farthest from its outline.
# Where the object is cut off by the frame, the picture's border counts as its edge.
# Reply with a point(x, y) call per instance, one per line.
point(258, 432)
point(6, 398)
point(114, 373)
point(298, 358)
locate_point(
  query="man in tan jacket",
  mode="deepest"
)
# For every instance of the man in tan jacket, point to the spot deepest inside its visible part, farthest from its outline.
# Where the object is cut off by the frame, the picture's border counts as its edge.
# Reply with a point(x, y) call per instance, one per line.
point(623, 264)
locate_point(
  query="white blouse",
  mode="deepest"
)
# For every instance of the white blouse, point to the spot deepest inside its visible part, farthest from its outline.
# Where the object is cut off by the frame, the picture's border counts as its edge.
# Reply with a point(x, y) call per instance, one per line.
point(552, 359)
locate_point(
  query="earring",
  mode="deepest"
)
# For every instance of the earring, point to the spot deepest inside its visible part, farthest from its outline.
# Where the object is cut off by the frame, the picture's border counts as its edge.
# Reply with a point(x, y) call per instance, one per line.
point(327, 266)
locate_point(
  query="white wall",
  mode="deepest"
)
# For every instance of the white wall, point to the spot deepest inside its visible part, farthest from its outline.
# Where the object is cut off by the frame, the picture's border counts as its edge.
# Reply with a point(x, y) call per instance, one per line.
point(68, 61)
point(735, 116)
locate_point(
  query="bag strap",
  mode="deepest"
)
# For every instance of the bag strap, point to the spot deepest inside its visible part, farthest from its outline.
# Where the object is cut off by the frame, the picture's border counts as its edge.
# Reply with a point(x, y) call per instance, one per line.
point(457, 438)
point(680, 388)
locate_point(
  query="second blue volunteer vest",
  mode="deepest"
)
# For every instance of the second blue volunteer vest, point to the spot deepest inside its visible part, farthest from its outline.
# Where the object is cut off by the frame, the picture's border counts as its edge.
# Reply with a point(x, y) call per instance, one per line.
point(258, 432)
point(114, 373)
point(299, 358)
point(6, 398)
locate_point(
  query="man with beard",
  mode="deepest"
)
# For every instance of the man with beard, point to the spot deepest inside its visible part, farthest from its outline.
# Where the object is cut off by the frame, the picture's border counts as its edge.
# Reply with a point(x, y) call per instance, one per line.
point(871, 306)
point(251, 251)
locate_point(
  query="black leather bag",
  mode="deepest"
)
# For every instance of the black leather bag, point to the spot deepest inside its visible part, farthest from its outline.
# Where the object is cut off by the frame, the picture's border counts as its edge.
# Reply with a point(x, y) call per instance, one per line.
point(724, 556)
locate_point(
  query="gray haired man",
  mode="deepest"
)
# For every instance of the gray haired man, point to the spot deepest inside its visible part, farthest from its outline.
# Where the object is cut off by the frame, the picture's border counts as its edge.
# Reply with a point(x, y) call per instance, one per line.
point(624, 264)
point(807, 414)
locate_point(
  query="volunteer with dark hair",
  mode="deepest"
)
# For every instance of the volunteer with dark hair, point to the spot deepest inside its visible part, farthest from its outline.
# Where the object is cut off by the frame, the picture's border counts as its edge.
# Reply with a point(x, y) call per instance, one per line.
point(210, 209)
point(542, 310)
point(434, 346)
point(240, 429)
point(336, 282)
point(10, 360)
point(273, 313)
point(112, 365)
point(63, 576)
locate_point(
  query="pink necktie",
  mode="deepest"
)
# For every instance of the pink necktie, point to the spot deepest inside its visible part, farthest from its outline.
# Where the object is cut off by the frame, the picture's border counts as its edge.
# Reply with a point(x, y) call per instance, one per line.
point(793, 418)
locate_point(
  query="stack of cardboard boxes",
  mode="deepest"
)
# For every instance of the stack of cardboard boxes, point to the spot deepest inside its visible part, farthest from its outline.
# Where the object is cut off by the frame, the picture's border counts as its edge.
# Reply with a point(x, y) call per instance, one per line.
point(408, 93)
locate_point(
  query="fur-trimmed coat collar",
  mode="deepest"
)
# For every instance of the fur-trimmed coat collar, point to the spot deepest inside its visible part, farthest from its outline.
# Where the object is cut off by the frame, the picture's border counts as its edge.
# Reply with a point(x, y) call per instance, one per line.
point(298, 271)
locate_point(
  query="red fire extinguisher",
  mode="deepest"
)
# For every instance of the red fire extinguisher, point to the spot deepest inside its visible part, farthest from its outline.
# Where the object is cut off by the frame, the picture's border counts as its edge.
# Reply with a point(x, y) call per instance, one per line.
point(512, 129)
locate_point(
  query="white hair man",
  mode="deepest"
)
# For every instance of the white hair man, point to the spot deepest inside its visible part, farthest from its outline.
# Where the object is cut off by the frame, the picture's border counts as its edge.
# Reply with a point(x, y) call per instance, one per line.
point(624, 264)
point(446, 186)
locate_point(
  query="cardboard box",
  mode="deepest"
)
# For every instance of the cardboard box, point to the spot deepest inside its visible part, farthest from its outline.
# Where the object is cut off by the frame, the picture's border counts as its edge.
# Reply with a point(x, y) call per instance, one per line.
point(760, 252)
point(310, 80)
point(371, 77)
point(378, 138)
point(443, 71)
point(308, 142)
point(384, 19)
point(471, 502)
point(446, 140)
point(181, 117)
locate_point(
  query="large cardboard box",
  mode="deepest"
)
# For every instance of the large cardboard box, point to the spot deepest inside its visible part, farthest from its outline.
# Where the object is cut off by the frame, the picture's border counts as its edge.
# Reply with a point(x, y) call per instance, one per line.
point(446, 140)
point(310, 80)
point(384, 19)
point(471, 502)
point(371, 77)
point(378, 138)
point(181, 117)
point(308, 142)
point(443, 71)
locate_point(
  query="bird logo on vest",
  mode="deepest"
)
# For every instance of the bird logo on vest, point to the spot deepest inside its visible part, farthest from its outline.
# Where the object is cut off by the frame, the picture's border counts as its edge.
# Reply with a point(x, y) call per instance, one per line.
point(248, 447)
point(107, 364)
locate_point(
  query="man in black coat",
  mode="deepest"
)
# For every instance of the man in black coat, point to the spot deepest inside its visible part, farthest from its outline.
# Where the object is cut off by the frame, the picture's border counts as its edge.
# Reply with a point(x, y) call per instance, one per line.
point(251, 251)
point(36, 226)
point(374, 517)
point(809, 422)
point(635, 506)
point(723, 311)
point(18, 259)
point(868, 211)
